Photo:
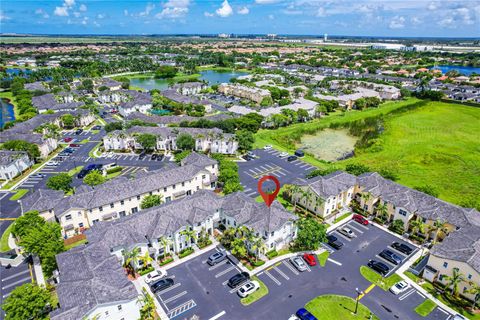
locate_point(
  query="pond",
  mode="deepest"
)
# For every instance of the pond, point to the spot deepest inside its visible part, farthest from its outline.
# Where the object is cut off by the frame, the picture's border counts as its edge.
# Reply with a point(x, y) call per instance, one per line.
point(462, 69)
point(6, 112)
point(329, 144)
point(211, 76)
point(15, 71)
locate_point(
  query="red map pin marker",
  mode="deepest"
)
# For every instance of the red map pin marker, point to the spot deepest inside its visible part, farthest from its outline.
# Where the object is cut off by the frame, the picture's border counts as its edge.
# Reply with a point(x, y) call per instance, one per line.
point(268, 197)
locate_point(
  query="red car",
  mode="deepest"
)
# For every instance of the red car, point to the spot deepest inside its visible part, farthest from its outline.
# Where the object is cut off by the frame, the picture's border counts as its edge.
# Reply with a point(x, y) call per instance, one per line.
point(310, 259)
point(67, 139)
point(74, 145)
point(360, 219)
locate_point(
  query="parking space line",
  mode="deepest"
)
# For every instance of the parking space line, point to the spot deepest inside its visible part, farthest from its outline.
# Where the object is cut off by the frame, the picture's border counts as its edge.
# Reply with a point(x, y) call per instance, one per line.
point(218, 265)
point(276, 174)
point(281, 273)
point(344, 237)
point(280, 172)
point(354, 228)
point(399, 253)
point(16, 282)
point(362, 226)
point(273, 278)
point(218, 275)
point(175, 297)
point(181, 309)
point(290, 267)
point(305, 165)
point(386, 261)
point(420, 294)
point(176, 285)
point(406, 295)
point(15, 275)
point(334, 261)
point(269, 166)
point(215, 317)
point(251, 193)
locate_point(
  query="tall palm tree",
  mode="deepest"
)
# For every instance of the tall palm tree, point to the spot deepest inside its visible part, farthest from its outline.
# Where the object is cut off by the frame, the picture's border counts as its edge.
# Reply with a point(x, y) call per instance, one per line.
point(148, 310)
point(454, 280)
point(131, 257)
point(256, 246)
point(438, 225)
point(416, 225)
point(146, 259)
point(382, 210)
point(165, 242)
point(189, 234)
point(475, 290)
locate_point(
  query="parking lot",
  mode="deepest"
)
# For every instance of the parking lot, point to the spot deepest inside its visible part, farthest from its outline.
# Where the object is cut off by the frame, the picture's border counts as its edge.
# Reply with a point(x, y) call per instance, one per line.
point(12, 278)
point(201, 290)
point(268, 162)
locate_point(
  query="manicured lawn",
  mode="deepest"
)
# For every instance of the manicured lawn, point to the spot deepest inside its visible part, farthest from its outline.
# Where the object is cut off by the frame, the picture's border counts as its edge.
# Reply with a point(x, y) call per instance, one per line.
point(113, 175)
point(263, 291)
point(342, 217)
point(4, 239)
point(425, 307)
point(76, 244)
point(19, 194)
point(375, 278)
point(91, 153)
point(435, 144)
point(329, 307)
point(75, 171)
point(322, 258)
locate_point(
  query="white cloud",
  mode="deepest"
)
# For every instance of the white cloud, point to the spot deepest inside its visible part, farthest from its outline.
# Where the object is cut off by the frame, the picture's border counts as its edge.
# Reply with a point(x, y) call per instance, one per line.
point(3, 17)
point(398, 22)
point(100, 16)
point(77, 14)
point(266, 1)
point(208, 14)
point(84, 21)
point(148, 9)
point(292, 12)
point(82, 8)
point(174, 9)
point(225, 10)
point(125, 12)
point(42, 12)
point(432, 6)
point(96, 24)
point(61, 11)
point(69, 3)
point(243, 10)
point(321, 12)
point(271, 16)
point(416, 21)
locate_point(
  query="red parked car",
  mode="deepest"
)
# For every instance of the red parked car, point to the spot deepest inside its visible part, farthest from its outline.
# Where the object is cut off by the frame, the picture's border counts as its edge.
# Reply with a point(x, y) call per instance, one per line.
point(74, 145)
point(360, 219)
point(310, 259)
point(67, 139)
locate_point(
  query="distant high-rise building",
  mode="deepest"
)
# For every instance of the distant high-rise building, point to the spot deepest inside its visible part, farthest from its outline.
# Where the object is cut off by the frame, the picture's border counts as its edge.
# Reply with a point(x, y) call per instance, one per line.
point(224, 35)
point(271, 35)
point(325, 37)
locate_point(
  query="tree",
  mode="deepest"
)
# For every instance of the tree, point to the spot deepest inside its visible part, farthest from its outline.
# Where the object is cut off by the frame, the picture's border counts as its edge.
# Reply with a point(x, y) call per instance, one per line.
point(454, 280)
point(28, 301)
point(166, 243)
point(475, 290)
point(416, 226)
point(302, 115)
point(397, 226)
point(152, 200)
point(437, 227)
point(245, 140)
point(185, 142)
point(311, 234)
point(146, 259)
point(388, 174)
point(60, 181)
point(112, 126)
point(238, 248)
point(182, 155)
point(87, 84)
point(68, 120)
point(148, 141)
point(189, 234)
point(22, 224)
point(357, 169)
point(428, 189)
point(148, 310)
point(46, 242)
point(20, 145)
point(94, 178)
point(382, 212)
point(130, 258)
point(231, 187)
point(166, 72)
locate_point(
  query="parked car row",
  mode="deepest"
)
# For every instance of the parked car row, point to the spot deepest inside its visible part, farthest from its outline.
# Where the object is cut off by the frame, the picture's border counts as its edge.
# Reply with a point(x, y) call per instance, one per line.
point(390, 256)
point(300, 262)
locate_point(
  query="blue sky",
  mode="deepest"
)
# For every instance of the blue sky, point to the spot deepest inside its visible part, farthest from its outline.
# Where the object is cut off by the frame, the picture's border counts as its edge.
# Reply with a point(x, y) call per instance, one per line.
point(444, 18)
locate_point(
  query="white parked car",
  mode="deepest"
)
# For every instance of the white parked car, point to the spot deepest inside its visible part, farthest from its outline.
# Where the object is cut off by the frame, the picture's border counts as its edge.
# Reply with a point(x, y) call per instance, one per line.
point(52, 163)
point(347, 232)
point(155, 275)
point(299, 263)
point(293, 317)
point(267, 147)
point(283, 154)
point(399, 287)
point(248, 288)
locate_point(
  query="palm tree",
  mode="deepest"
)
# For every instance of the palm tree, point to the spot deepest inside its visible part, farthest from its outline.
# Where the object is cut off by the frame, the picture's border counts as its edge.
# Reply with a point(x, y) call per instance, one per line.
point(256, 246)
point(130, 257)
point(454, 280)
point(416, 226)
point(165, 242)
point(382, 211)
point(146, 259)
point(189, 234)
point(438, 225)
point(365, 196)
point(148, 310)
point(475, 290)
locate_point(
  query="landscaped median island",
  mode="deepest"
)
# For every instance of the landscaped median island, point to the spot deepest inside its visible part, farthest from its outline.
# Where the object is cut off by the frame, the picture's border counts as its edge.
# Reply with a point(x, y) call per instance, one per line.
point(4, 247)
point(425, 308)
point(329, 307)
point(375, 278)
point(261, 292)
point(323, 257)
point(19, 193)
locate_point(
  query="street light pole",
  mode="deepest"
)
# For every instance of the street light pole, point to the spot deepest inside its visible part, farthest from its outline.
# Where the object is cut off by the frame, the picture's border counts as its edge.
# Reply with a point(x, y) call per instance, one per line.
point(358, 298)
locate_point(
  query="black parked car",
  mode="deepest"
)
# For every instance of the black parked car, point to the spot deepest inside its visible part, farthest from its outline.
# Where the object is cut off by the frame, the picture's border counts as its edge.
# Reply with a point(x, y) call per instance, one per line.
point(142, 155)
point(291, 158)
point(389, 255)
point(238, 279)
point(161, 284)
point(334, 242)
point(154, 156)
point(160, 157)
point(380, 267)
point(299, 153)
point(78, 131)
point(403, 248)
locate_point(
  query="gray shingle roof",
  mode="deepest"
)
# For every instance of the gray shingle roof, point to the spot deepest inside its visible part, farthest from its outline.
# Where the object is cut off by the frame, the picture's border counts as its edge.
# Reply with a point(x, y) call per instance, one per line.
point(173, 132)
point(7, 157)
point(331, 184)
point(41, 200)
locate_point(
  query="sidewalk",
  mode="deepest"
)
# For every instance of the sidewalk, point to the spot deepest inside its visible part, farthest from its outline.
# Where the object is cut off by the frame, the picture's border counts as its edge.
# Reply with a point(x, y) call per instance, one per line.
point(195, 254)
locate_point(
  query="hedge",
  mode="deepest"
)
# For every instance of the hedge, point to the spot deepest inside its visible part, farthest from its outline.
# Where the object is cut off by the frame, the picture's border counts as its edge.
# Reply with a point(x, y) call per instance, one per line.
point(166, 261)
point(272, 254)
point(115, 169)
point(185, 252)
point(145, 271)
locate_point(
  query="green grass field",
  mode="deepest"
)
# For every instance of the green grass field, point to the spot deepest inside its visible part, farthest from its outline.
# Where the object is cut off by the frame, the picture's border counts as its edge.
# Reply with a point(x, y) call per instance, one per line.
point(337, 307)
point(436, 144)
point(425, 308)
point(375, 278)
point(4, 239)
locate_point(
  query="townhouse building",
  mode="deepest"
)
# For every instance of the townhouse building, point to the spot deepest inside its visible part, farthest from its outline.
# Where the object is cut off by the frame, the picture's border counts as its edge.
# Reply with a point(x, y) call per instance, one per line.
point(241, 91)
point(45, 144)
point(63, 102)
point(82, 271)
point(122, 196)
point(326, 195)
point(127, 101)
point(206, 140)
point(190, 88)
point(13, 163)
point(175, 96)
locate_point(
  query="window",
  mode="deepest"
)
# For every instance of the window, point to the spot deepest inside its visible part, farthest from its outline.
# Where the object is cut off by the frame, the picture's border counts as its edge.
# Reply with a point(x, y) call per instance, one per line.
point(199, 224)
point(445, 264)
point(96, 220)
point(79, 214)
point(150, 193)
point(106, 313)
point(119, 307)
point(198, 188)
point(68, 217)
point(134, 210)
point(234, 223)
point(402, 212)
point(122, 213)
point(100, 209)
point(365, 207)
point(80, 225)
point(189, 192)
point(165, 189)
point(138, 197)
point(173, 187)
point(328, 210)
point(273, 232)
point(203, 176)
point(213, 166)
point(183, 184)
point(168, 199)
point(111, 205)
point(469, 277)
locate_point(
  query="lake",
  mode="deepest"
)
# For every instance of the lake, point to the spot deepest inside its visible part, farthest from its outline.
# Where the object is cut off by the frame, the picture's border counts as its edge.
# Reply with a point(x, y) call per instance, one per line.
point(462, 69)
point(211, 76)
point(6, 112)
point(329, 144)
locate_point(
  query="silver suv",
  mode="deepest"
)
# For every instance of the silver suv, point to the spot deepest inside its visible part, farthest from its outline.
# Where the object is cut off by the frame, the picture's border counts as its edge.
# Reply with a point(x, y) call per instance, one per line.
point(216, 258)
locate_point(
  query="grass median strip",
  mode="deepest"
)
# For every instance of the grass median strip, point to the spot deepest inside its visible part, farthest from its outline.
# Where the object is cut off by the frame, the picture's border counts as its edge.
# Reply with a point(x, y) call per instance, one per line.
point(425, 308)
point(323, 257)
point(337, 307)
point(263, 291)
point(19, 193)
point(375, 278)
point(4, 247)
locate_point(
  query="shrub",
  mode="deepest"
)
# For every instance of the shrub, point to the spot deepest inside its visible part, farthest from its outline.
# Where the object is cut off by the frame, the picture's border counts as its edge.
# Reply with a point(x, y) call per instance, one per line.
point(257, 263)
point(115, 169)
point(145, 271)
point(166, 261)
point(272, 254)
point(185, 252)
